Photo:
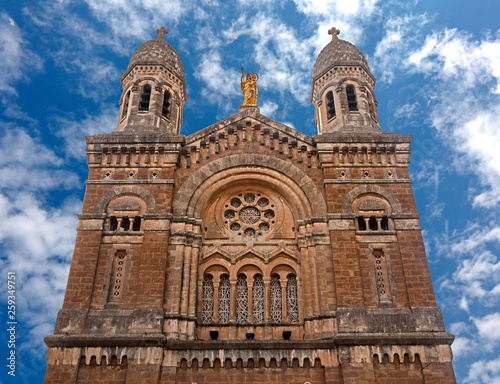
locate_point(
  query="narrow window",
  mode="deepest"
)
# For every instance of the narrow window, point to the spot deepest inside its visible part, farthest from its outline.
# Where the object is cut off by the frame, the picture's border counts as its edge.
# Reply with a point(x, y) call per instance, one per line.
point(125, 105)
point(113, 223)
point(330, 105)
point(125, 223)
point(117, 276)
point(166, 105)
point(385, 223)
point(292, 302)
point(137, 224)
point(241, 299)
point(372, 224)
point(351, 98)
point(361, 223)
point(276, 309)
point(258, 299)
point(381, 276)
point(208, 300)
point(145, 97)
point(224, 299)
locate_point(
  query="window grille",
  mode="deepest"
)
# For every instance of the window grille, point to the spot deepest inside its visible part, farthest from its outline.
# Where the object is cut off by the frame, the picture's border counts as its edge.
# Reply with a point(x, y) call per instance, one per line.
point(292, 302)
point(241, 299)
point(276, 306)
point(258, 299)
point(224, 299)
point(208, 300)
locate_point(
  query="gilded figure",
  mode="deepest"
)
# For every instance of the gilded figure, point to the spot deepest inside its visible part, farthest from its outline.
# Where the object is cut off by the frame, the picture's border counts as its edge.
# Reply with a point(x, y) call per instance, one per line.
point(249, 88)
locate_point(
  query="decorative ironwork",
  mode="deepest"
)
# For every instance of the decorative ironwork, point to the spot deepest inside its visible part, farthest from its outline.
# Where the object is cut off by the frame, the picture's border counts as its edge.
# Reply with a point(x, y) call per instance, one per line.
point(208, 300)
point(249, 198)
point(249, 215)
point(258, 299)
point(269, 214)
point(241, 299)
point(292, 302)
point(224, 299)
point(276, 303)
point(263, 202)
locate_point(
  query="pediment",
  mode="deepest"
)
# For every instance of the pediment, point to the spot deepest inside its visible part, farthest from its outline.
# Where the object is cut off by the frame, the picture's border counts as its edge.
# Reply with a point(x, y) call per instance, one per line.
point(252, 119)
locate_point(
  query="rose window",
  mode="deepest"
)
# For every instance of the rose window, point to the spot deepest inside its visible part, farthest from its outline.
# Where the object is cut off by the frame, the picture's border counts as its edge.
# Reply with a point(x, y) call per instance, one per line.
point(249, 215)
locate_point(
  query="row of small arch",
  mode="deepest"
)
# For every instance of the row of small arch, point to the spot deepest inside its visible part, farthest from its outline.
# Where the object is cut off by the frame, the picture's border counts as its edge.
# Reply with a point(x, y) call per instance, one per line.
point(113, 361)
point(252, 270)
point(251, 363)
point(395, 359)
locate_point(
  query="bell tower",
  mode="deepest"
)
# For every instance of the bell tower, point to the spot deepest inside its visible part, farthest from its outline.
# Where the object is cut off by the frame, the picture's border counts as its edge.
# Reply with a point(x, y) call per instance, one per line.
point(154, 89)
point(342, 89)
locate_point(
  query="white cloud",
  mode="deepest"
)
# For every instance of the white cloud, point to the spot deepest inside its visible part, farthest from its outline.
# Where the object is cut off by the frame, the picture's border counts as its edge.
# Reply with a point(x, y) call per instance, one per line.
point(17, 59)
point(28, 165)
point(488, 326)
point(484, 372)
point(269, 108)
point(210, 71)
point(73, 131)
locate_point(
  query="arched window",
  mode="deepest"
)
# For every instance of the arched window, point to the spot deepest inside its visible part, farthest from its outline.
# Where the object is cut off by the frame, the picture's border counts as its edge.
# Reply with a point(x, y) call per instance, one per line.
point(125, 105)
point(224, 299)
point(241, 299)
point(276, 303)
point(330, 106)
point(258, 299)
point(292, 302)
point(145, 97)
point(166, 105)
point(208, 300)
point(351, 98)
point(373, 214)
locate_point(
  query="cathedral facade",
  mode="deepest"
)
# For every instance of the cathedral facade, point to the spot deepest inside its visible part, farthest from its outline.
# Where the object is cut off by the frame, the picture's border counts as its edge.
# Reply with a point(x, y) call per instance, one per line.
point(248, 251)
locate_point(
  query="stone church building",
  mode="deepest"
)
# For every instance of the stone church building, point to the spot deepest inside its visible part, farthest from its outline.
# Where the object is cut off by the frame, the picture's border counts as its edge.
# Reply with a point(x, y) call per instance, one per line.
point(249, 252)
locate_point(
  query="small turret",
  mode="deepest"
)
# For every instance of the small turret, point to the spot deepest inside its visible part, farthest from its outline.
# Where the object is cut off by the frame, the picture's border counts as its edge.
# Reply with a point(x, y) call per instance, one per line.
point(154, 89)
point(342, 89)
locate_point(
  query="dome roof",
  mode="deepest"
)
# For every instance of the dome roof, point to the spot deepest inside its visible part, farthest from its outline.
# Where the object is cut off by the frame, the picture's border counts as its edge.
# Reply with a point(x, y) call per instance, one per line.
point(157, 51)
point(338, 52)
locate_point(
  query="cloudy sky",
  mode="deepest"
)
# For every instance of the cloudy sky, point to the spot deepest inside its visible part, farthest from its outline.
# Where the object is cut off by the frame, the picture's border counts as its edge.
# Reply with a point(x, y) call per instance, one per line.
point(437, 64)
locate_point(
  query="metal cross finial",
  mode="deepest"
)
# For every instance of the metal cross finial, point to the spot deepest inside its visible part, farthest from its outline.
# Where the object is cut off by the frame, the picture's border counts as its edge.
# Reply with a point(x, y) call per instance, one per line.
point(161, 32)
point(334, 32)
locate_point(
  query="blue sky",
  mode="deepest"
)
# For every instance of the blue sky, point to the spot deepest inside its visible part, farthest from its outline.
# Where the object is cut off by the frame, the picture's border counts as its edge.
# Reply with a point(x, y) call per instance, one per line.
point(437, 64)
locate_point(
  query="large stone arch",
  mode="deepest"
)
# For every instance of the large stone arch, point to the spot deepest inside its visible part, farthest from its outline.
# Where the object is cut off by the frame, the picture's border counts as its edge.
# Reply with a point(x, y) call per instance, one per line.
point(128, 189)
point(289, 180)
point(373, 189)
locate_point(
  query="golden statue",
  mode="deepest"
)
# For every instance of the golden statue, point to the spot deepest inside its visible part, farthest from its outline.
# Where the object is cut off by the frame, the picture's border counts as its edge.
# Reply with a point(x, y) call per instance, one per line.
point(249, 88)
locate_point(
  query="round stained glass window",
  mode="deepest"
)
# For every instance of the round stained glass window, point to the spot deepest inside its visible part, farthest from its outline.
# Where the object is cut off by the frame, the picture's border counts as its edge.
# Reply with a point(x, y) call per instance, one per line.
point(249, 215)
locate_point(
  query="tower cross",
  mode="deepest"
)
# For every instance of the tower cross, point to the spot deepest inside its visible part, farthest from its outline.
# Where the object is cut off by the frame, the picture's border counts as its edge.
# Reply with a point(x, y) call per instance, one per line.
point(161, 32)
point(334, 32)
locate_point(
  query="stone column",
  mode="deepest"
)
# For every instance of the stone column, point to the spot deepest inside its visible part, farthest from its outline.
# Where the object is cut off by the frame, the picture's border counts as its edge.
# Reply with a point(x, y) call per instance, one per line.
point(185, 280)
point(250, 301)
point(232, 300)
point(215, 318)
point(284, 311)
point(267, 298)
point(192, 281)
